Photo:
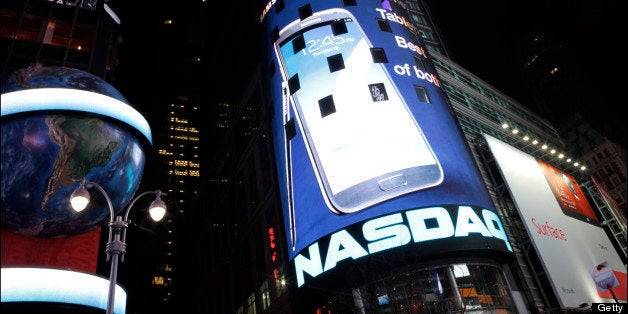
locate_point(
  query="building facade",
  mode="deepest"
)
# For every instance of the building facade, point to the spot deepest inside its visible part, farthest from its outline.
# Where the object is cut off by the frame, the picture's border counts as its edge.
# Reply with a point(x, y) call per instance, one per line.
point(479, 109)
point(79, 35)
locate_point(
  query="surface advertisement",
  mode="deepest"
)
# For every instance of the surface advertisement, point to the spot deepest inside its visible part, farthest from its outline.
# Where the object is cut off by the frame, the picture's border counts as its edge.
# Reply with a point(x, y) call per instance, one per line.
point(369, 155)
point(564, 230)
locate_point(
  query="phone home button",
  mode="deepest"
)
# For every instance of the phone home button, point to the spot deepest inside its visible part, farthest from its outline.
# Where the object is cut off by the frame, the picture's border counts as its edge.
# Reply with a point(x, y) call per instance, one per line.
point(392, 182)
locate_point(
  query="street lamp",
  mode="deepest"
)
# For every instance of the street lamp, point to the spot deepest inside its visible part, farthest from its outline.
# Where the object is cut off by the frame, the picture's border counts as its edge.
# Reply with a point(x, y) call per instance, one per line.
point(116, 243)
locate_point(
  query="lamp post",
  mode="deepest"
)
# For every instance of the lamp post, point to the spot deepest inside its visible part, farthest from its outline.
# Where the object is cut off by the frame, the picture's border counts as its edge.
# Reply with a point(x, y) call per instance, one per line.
point(116, 243)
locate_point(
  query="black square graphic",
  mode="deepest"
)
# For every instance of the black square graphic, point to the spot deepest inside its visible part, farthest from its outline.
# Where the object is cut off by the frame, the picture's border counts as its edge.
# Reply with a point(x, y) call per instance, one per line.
point(339, 28)
point(279, 5)
point(378, 92)
point(291, 130)
point(305, 11)
point(384, 26)
point(335, 62)
point(298, 44)
point(379, 55)
point(293, 84)
point(327, 106)
point(349, 2)
point(274, 34)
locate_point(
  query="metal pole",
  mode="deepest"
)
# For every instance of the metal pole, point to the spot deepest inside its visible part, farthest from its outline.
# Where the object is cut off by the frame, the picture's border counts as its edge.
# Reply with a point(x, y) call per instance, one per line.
point(116, 242)
point(115, 248)
point(112, 284)
point(613, 294)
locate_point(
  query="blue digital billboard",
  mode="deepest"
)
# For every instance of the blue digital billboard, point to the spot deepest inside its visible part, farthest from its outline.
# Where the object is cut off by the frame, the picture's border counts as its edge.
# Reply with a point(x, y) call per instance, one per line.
point(369, 154)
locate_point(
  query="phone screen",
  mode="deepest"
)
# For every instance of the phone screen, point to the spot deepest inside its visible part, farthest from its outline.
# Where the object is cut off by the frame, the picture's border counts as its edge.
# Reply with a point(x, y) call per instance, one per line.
point(361, 136)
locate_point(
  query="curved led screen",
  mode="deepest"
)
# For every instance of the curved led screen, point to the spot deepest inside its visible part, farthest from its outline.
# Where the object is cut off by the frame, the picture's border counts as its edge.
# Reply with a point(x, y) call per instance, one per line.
point(369, 155)
point(58, 286)
point(67, 99)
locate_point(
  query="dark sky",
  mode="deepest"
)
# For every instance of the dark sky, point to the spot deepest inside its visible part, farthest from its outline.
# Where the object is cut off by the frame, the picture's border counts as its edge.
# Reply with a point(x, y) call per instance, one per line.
point(483, 37)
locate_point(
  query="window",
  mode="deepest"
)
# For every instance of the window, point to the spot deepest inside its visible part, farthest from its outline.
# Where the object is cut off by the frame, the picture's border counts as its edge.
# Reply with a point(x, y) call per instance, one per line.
point(250, 304)
point(265, 295)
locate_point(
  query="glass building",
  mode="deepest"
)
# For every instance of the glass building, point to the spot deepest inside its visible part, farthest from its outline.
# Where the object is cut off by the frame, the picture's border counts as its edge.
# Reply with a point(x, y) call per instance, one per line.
point(257, 270)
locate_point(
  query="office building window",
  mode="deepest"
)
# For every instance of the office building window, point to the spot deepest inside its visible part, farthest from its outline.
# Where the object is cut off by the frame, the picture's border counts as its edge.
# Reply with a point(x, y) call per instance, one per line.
point(264, 293)
point(250, 304)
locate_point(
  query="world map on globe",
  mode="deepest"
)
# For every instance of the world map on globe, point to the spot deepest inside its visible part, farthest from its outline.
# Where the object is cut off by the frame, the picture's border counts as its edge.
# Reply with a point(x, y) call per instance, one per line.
point(45, 153)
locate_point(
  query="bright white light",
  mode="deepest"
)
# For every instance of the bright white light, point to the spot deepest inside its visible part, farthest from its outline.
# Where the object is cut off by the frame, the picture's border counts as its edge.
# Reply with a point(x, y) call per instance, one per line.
point(544, 146)
point(535, 142)
point(515, 131)
point(583, 168)
point(59, 286)
point(157, 208)
point(505, 126)
point(113, 15)
point(561, 156)
point(576, 164)
point(461, 270)
point(526, 138)
point(79, 198)
point(79, 203)
point(42, 99)
point(553, 151)
point(157, 213)
point(568, 159)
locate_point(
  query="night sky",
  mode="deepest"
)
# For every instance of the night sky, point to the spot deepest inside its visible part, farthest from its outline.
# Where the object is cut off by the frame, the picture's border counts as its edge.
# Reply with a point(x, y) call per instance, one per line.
point(484, 37)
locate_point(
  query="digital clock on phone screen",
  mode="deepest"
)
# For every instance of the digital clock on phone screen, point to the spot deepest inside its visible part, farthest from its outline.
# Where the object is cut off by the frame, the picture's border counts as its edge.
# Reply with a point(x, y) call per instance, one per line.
point(326, 43)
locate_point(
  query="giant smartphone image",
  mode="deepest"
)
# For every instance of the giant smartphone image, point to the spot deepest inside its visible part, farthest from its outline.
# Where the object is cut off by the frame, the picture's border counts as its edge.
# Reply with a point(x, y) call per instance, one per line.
point(361, 137)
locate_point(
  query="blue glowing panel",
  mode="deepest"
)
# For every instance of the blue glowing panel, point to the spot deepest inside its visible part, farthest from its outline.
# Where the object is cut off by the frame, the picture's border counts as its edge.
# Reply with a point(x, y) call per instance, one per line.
point(66, 99)
point(59, 286)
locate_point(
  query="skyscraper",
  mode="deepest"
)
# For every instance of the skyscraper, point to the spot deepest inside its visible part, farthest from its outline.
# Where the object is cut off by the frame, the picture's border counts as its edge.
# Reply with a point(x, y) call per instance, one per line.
point(480, 109)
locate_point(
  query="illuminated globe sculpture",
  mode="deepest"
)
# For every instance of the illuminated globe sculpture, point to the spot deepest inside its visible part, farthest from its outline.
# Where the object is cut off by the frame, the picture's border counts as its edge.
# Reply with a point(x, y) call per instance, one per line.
point(58, 125)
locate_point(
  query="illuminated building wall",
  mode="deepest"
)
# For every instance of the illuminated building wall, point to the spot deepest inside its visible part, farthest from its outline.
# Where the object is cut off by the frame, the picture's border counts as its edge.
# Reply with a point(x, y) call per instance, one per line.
point(183, 144)
point(379, 108)
point(178, 168)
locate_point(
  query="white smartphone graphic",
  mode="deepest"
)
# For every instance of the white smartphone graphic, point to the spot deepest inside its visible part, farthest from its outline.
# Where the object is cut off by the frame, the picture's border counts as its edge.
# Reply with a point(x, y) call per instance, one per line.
point(362, 140)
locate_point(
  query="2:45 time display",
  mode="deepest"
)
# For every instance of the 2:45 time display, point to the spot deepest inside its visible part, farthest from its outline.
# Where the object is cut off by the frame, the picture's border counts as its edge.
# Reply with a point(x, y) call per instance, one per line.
point(329, 41)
